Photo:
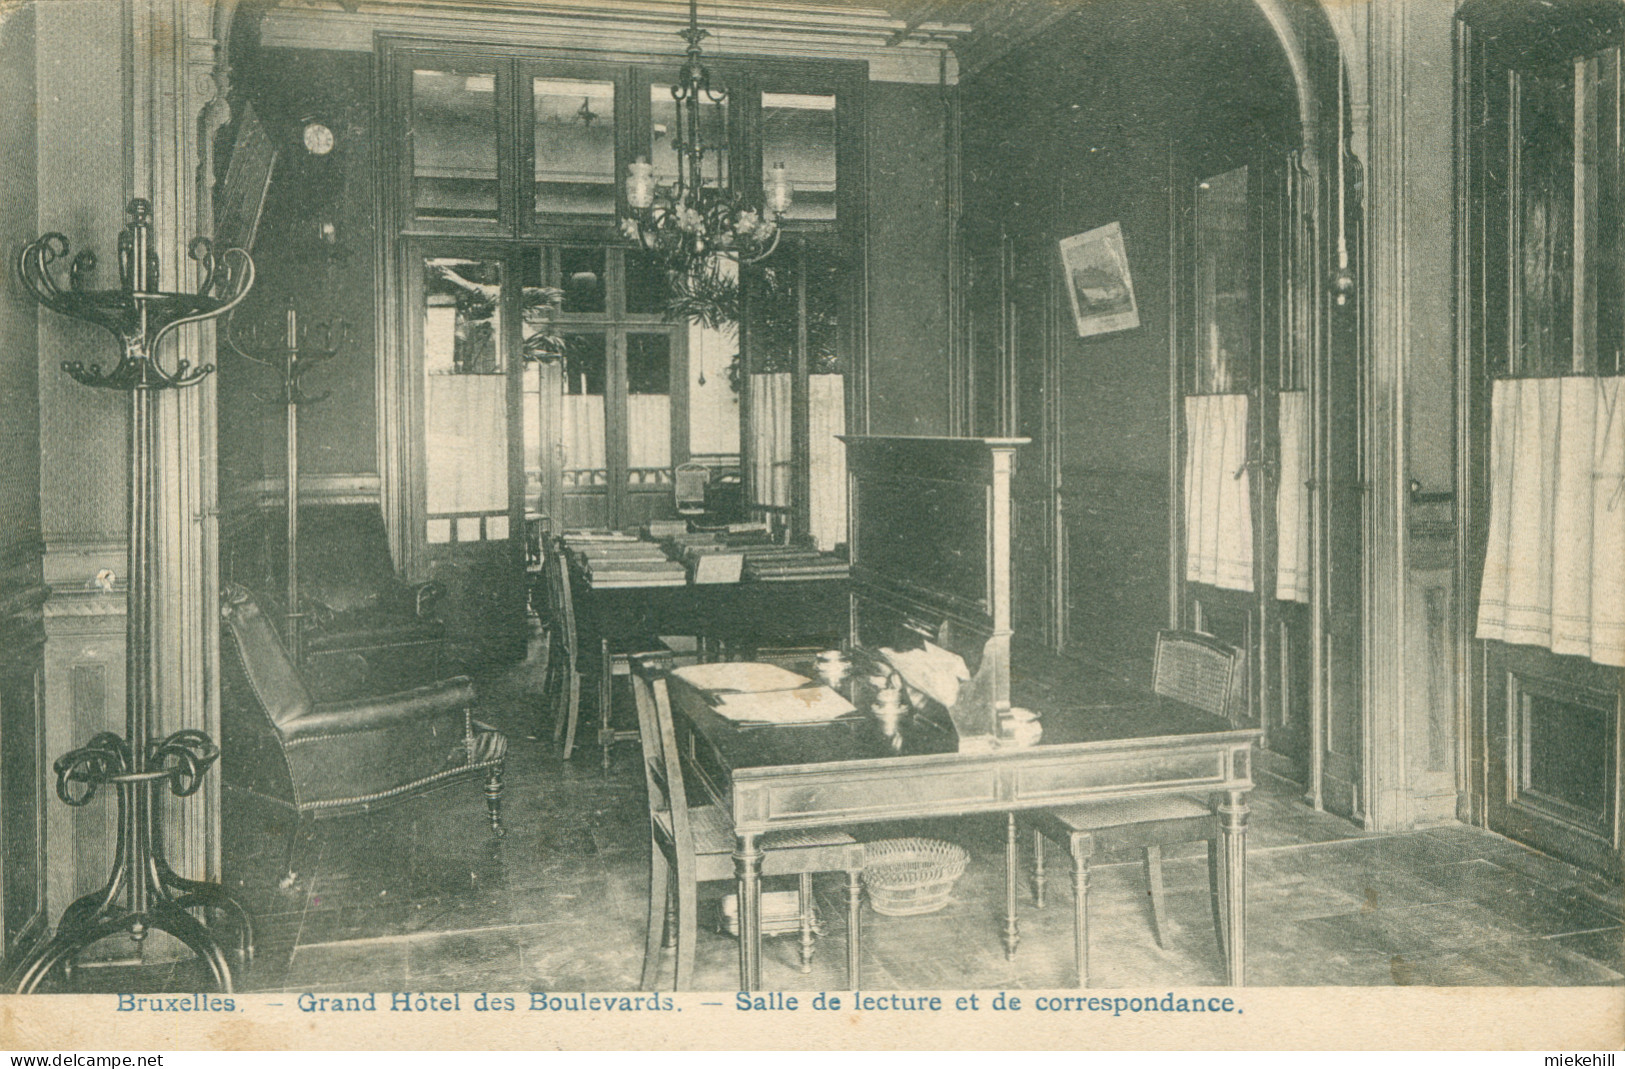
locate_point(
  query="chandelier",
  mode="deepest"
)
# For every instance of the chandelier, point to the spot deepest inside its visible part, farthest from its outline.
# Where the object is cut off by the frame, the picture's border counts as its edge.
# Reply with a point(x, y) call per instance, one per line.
point(687, 224)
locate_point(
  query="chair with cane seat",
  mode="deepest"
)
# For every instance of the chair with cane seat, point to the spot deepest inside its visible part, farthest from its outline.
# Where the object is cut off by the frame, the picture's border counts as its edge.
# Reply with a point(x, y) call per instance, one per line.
point(1197, 671)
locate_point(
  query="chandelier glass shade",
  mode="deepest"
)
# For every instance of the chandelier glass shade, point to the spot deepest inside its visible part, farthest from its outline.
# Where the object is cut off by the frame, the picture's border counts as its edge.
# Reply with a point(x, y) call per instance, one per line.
point(689, 222)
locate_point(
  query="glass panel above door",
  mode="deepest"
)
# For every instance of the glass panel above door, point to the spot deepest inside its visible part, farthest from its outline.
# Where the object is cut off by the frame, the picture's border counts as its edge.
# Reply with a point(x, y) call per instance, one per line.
point(462, 316)
point(798, 131)
point(454, 144)
point(1567, 272)
point(1224, 344)
point(574, 125)
point(1545, 224)
point(582, 277)
point(647, 288)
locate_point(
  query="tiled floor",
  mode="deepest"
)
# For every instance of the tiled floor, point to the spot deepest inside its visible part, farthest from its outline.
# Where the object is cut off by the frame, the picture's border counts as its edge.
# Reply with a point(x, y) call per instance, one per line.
point(420, 897)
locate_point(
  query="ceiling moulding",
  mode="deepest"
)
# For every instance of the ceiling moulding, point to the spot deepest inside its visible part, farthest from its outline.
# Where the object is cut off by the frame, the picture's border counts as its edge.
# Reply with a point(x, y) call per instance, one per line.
point(1003, 26)
point(896, 50)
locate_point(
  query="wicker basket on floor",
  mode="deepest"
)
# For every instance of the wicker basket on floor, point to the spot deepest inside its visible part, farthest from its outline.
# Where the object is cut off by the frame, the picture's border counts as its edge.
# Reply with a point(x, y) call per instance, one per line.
point(907, 877)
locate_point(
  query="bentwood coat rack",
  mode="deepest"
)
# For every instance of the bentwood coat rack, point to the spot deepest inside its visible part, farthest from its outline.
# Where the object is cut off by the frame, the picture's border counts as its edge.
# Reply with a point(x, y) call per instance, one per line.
point(143, 892)
point(300, 349)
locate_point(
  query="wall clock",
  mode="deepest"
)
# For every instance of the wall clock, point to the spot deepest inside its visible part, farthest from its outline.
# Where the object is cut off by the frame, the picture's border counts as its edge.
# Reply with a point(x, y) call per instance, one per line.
point(318, 137)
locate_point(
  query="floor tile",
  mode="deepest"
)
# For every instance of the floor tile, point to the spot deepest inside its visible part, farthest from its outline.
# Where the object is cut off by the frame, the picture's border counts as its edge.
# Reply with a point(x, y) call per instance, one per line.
point(421, 897)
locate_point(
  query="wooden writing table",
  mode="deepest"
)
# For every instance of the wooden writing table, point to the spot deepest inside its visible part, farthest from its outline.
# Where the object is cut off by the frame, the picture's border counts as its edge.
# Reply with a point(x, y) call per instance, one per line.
point(746, 613)
point(751, 611)
point(852, 771)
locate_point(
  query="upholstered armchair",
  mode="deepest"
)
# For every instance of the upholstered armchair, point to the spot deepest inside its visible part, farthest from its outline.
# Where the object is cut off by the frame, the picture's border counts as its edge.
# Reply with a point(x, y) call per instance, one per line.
point(366, 629)
point(314, 759)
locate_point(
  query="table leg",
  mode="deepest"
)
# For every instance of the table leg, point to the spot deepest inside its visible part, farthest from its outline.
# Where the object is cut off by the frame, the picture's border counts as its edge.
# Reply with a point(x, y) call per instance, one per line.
point(748, 868)
point(1012, 928)
point(1082, 848)
point(1232, 811)
point(854, 910)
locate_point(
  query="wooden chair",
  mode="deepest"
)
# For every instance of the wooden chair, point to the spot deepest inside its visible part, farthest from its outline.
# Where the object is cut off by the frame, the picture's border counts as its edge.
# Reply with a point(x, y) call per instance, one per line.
point(1190, 668)
point(615, 657)
point(696, 843)
point(612, 659)
point(563, 671)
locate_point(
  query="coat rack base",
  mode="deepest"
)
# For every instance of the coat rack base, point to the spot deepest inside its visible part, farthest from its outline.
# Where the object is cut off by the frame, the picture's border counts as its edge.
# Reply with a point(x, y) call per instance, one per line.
point(142, 894)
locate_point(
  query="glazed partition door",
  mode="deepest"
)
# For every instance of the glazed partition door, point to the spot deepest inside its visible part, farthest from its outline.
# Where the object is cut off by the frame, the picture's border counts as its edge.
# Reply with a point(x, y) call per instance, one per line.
point(1245, 445)
point(605, 389)
point(465, 355)
point(1542, 450)
point(609, 404)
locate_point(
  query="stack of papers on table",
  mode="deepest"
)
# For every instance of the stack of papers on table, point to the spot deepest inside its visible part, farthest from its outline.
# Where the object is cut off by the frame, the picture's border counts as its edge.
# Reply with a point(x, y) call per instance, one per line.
point(584, 536)
point(782, 563)
point(739, 676)
point(748, 692)
point(623, 551)
point(636, 573)
point(714, 567)
point(804, 705)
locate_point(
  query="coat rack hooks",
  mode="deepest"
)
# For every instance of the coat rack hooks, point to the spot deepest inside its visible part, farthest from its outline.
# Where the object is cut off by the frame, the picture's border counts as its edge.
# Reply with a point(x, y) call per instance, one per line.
point(142, 893)
point(294, 354)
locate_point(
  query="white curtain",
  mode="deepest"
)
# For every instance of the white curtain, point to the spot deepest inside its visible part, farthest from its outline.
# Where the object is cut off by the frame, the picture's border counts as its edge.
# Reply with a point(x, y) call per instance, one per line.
point(1292, 499)
point(648, 430)
point(770, 435)
point(1218, 517)
point(466, 438)
point(1554, 573)
point(826, 418)
point(713, 406)
point(584, 450)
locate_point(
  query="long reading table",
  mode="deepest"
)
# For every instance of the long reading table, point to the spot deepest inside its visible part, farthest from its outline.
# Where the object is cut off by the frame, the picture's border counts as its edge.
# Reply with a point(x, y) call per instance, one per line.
point(857, 770)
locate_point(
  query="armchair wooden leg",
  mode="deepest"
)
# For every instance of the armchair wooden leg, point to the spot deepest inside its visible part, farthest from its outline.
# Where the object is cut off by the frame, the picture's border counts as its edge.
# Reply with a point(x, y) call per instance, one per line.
point(298, 829)
point(1038, 869)
point(807, 941)
point(493, 800)
point(543, 662)
point(659, 901)
point(1232, 813)
point(1153, 878)
point(854, 936)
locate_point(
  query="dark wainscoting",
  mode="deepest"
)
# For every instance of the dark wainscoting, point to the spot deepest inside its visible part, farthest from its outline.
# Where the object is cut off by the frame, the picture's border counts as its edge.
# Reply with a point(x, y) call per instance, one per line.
point(22, 752)
point(1117, 555)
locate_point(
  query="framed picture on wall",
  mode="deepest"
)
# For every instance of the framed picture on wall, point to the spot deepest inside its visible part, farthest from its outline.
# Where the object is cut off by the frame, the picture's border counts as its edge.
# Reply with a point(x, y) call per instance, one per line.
point(1098, 281)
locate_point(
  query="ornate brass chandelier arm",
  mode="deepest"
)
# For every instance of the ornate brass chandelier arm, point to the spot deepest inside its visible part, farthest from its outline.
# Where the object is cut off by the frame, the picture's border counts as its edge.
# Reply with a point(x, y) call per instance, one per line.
point(765, 253)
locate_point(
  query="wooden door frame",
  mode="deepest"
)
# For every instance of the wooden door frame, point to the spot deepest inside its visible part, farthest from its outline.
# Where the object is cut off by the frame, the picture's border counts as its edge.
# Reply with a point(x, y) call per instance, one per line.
point(1486, 760)
point(1266, 188)
point(1322, 50)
